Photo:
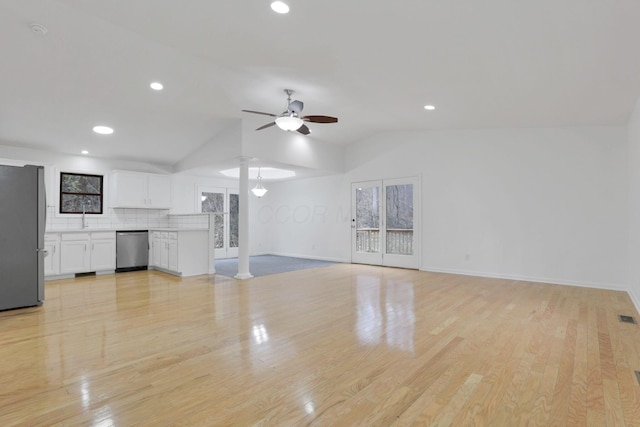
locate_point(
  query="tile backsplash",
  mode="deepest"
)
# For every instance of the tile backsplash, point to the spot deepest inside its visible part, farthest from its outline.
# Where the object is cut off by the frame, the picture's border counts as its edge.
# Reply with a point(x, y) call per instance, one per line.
point(189, 221)
point(114, 219)
point(126, 218)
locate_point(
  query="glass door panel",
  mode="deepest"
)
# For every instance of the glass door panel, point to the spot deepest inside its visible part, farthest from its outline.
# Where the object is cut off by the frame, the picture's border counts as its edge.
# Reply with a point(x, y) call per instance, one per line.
point(214, 203)
point(365, 225)
point(399, 213)
point(401, 207)
point(368, 219)
point(223, 203)
point(234, 217)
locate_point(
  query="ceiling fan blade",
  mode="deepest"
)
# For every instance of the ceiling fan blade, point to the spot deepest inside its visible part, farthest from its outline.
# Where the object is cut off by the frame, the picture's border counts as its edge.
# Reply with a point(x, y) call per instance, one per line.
point(268, 125)
point(260, 112)
point(304, 130)
point(296, 106)
point(320, 119)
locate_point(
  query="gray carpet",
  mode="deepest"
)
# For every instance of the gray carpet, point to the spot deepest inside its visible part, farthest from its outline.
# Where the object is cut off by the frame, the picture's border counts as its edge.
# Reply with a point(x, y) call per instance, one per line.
point(263, 265)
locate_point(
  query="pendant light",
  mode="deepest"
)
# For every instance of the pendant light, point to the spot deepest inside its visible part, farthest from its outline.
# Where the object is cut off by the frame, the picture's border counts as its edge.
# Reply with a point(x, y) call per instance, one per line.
point(259, 190)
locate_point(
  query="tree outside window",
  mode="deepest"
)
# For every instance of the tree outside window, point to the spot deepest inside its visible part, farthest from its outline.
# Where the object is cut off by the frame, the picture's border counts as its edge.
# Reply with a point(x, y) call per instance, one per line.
point(81, 193)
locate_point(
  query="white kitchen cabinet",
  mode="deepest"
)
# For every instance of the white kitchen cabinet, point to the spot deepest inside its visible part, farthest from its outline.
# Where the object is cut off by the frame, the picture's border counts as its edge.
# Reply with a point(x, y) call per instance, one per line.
point(52, 259)
point(172, 254)
point(155, 255)
point(164, 248)
point(159, 190)
point(74, 253)
point(140, 190)
point(103, 251)
point(183, 253)
point(87, 252)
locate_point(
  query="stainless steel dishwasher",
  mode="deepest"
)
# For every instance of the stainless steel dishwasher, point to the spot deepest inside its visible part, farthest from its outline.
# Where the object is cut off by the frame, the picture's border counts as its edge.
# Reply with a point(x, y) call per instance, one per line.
point(132, 250)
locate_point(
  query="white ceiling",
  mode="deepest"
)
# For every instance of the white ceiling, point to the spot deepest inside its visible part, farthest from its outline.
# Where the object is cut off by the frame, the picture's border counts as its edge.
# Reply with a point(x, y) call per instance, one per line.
point(374, 64)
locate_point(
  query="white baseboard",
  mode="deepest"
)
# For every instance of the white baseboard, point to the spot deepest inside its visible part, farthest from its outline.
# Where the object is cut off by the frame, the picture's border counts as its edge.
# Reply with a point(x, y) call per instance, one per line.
point(596, 285)
point(164, 270)
point(635, 300)
point(59, 277)
point(101, 273)
point(330, 259)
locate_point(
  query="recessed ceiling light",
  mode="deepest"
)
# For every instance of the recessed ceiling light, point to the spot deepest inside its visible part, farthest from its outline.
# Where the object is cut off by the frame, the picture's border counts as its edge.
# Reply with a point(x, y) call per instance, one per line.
point(103, 130)
point(156, 86)
point(38, 29)
point(84, 152)
point(429, 107)
point(280, 7)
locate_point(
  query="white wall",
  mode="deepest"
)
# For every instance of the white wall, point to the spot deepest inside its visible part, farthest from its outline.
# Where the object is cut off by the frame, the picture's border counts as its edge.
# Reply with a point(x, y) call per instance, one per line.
point(537, 204)
point(307, 217)
point(224, 146)
point(634, 205)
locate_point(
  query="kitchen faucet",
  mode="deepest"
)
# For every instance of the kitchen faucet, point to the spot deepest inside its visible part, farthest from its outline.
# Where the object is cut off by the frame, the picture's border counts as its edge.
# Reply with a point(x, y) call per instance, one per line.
point(84, 222)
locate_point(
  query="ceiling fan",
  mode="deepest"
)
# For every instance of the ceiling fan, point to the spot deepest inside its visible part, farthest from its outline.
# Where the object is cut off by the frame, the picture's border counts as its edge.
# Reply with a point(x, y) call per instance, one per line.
point(290, 119)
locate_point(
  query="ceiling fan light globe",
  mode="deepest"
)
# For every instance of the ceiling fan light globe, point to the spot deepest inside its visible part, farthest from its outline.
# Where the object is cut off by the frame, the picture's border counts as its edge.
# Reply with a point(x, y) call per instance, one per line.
point(289, 123)
point(280, 7)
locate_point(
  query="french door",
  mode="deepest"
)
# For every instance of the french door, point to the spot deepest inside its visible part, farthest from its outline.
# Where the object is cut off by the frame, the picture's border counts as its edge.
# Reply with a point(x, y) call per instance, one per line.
point(224, 203)
point(384, 220)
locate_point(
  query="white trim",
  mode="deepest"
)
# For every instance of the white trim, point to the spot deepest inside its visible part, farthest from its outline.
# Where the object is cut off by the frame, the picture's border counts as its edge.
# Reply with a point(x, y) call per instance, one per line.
point(381, 257)
point(608, 286)
point(635, 301)
point(318, 258)
point(243, 276)
point(58, 277)
point(596, 285)
point(164, 270)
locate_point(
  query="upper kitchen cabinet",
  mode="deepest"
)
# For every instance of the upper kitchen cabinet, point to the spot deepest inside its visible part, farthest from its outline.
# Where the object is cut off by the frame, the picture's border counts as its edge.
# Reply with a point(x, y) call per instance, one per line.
point(140, 190)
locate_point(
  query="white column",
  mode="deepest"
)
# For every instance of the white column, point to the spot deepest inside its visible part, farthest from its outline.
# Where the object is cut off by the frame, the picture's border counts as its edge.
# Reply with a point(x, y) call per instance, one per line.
point(243, 222)
point(212, 243)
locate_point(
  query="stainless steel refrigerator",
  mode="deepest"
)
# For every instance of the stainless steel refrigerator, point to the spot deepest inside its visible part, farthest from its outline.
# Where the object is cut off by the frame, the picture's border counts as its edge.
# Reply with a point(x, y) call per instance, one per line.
point(22, 222)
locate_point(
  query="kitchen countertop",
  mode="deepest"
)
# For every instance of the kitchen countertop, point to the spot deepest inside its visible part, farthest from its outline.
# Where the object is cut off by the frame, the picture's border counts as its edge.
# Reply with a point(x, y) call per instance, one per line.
point(93, 230)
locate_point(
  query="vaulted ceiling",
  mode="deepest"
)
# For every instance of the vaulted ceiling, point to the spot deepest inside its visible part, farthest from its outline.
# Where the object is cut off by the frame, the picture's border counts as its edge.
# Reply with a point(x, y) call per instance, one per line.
point(374, 64)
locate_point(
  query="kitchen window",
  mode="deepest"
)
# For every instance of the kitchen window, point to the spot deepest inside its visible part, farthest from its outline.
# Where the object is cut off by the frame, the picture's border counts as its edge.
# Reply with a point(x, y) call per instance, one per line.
point(81, 193)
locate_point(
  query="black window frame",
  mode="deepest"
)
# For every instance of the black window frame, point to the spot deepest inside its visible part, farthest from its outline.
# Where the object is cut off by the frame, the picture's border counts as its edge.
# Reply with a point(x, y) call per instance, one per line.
point(101, 194)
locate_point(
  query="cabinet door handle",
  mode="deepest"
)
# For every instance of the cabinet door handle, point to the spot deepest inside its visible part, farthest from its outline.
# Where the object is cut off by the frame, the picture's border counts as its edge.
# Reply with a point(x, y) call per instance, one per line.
point(85, 247)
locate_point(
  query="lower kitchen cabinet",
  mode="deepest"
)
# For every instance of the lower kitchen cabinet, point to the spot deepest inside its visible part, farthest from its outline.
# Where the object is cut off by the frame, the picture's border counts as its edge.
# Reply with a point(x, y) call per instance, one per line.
point(74, 254)
point(103, 251)
point(86, 252)
point(183, 253)
point(52, 258)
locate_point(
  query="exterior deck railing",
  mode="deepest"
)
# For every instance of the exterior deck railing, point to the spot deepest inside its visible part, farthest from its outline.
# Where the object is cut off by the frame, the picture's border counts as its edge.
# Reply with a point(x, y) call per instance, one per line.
point(399, 241)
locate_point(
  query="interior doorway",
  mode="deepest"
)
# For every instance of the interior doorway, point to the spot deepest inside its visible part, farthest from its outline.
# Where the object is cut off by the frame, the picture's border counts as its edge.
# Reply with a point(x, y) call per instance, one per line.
point(384, 222)
point(224, 203)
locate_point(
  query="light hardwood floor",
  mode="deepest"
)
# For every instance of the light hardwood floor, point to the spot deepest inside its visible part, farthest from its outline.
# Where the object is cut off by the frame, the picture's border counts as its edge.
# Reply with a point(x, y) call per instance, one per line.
point(338, 345)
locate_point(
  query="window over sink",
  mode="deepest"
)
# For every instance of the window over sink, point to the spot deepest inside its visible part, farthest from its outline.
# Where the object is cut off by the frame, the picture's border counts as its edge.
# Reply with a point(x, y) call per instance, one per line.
point(81, 193)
